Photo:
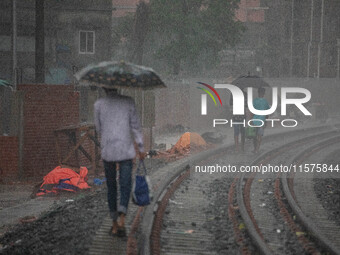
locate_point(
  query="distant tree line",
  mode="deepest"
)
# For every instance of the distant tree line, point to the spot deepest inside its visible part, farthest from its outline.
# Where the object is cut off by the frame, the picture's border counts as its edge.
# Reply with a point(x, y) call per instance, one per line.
point(179, 33)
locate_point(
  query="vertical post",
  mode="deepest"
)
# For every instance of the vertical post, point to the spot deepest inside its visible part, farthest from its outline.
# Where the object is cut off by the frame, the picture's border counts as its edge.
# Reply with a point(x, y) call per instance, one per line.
point(321, 36)
point(56, 137)
point(93, 150)
point(291, 40)
point(39, 42)
point(96, 159)
point(338, 69)
point(20, 98)
point(310, 38)
point(151, 142)
point(14, 44)
point(142, 108)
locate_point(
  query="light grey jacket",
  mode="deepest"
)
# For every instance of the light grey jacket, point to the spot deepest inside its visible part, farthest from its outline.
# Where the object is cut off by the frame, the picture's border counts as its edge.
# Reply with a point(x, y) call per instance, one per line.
point(115, 119)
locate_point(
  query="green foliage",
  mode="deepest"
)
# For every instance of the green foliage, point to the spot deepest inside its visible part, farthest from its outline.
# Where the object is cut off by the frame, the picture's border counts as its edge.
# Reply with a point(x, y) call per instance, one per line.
point(190, 28)
point(123, 28)
point(185, 31)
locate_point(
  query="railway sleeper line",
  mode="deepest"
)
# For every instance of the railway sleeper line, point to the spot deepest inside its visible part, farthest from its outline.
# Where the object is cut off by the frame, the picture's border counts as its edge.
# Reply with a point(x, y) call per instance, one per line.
point(245, 249)
point(245, 208)
point(325, 240)
point(142, 241)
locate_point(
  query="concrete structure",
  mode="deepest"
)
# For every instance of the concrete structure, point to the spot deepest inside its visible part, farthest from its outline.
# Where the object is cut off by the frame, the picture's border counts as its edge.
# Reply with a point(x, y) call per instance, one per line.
point(302, 38)
point(244, 57)
point(287, 38)
point(76, 33)
point(122, 7)
point(283, 38)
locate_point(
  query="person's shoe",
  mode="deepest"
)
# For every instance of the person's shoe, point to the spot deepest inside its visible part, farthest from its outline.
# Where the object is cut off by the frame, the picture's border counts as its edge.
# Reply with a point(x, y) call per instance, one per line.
point(121, 221)
point(114, 229)
point(121, 232)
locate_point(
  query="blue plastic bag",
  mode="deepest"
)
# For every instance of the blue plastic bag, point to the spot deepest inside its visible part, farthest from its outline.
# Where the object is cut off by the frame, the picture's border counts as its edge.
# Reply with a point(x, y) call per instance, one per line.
point(97, 181)
point(141, 189)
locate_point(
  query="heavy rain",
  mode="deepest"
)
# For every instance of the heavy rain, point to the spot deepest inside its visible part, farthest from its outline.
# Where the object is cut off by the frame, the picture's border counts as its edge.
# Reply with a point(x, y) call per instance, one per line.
point(169, 127)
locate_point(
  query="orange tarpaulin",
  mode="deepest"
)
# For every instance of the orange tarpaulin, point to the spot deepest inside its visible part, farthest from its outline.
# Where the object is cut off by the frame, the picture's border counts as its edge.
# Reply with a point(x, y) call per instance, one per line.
point(64, 179)
point(187, 143)
point(188, 140)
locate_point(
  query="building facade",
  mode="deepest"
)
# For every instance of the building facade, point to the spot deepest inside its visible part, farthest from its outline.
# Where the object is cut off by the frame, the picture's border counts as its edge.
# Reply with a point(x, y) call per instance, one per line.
point(287, 38)
point(76, 33)
point(302, 38)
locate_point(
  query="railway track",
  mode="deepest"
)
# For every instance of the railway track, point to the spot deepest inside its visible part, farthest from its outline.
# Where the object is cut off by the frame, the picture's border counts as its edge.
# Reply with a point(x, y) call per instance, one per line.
point(310, 211)
point(268, 218)
point(179, 219)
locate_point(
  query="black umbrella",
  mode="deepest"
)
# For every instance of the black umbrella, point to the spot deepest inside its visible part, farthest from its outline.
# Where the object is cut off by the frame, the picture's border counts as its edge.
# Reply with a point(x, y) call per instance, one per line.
point(250, 81)
point(113, 74)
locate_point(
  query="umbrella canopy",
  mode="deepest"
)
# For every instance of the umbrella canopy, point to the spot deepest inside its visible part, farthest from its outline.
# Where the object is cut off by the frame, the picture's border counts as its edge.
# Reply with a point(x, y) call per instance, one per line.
point(5, 83)
point(250, 81)
point(113, 74)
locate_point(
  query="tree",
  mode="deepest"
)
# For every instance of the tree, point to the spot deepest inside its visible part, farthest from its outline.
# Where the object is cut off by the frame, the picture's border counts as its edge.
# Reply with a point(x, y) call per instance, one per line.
point(39, 42)
point(140, 31)
point(187, 29)
point(133, 29)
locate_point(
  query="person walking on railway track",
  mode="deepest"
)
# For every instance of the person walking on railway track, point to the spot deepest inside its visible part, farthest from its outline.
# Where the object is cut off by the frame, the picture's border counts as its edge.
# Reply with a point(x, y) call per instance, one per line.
point(239, 128)
point(259, 103)
point(116, 120)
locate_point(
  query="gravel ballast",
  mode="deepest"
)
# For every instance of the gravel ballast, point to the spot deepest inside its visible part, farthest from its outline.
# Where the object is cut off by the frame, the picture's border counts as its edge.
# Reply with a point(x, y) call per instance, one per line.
point(68, 229)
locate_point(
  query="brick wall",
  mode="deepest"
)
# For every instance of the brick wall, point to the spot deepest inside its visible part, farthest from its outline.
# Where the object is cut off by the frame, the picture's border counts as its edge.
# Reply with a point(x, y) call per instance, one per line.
point(9, 156)
point(123, 7)
point(247, 11)
point(46, 108)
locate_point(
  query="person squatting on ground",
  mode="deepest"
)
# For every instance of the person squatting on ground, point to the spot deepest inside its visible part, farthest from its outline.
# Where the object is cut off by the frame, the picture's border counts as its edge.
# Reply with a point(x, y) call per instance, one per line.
point(239, 128)
point(115, 119)
point(259, 103)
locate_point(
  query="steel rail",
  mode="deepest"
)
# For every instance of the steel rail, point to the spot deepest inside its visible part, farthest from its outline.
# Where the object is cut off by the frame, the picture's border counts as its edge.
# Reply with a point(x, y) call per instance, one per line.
point(146, 224)
point(308, 224)
point(252, 227)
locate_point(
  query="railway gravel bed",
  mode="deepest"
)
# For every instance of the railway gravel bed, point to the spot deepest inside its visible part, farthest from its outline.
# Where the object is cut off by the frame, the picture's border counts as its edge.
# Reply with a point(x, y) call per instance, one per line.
point(267, 212)
point(196, 219)
point(216, 211)
point(68, 229)
point(71, 227)
point(183, 225)
point(218, 221)
point(265, 209)
point(327, 190)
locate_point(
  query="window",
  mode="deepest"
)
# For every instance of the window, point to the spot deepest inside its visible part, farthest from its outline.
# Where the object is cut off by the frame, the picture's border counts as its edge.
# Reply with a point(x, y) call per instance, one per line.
point(86, 42)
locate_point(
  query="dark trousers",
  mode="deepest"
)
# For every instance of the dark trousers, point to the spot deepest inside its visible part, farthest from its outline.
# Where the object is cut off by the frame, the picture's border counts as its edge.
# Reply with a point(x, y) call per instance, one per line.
point(125, 184)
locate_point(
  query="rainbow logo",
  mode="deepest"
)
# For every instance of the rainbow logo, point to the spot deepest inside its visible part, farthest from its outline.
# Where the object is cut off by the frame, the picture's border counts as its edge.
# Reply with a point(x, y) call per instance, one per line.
point(209, 93)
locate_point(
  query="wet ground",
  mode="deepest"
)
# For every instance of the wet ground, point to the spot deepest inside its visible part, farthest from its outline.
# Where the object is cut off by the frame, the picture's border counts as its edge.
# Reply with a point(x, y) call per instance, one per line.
point(328, 190)
point(218, 222)
point(68, 225)
point(66, 229)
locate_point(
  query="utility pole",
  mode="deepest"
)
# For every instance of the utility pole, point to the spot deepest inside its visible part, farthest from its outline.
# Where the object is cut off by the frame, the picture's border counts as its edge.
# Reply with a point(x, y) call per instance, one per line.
point(291, 40)
point(39, 42)
point(17, 95)
point(338, 69)
point(141, 30)
point(14, 44)
point(310, 38)
point(321, 36)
